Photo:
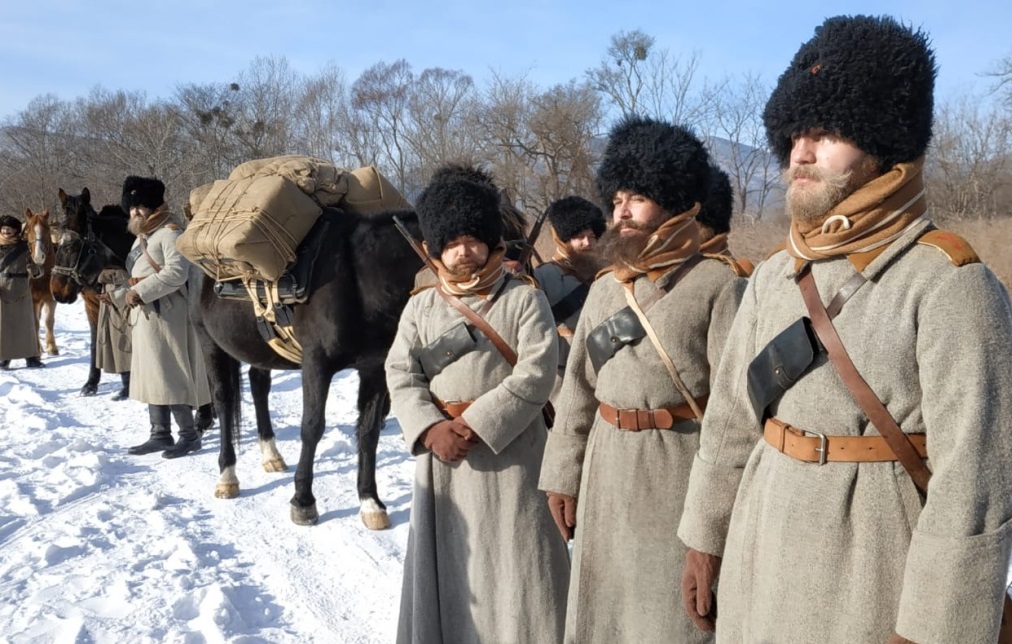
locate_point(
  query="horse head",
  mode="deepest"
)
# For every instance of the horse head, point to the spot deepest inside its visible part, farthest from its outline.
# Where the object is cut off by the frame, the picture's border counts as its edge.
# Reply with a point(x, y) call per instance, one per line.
point(91, 241)
point(38, 234)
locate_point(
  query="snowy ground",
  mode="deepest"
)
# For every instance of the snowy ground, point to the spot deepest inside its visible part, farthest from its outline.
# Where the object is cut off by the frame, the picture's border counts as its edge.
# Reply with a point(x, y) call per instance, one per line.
point(99, 546)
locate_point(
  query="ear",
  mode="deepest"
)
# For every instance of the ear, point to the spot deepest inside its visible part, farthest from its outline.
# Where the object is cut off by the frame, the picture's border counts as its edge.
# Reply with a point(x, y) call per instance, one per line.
point(44, 216)
point(86, 196)
point(63, 197)
point(28, 213)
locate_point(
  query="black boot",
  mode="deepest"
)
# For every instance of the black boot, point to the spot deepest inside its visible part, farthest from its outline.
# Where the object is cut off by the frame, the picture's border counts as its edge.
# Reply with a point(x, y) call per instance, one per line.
point(160, 440)
point(34, 362)
point(189, 439)
point(123, 393)
point(5, 365)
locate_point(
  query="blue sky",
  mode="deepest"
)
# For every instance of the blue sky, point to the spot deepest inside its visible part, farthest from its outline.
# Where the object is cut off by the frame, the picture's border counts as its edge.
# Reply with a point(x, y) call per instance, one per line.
point(66, 47)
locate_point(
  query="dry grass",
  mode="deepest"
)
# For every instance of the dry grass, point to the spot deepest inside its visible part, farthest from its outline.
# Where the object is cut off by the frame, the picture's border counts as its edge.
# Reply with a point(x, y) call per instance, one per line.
point(991, 238)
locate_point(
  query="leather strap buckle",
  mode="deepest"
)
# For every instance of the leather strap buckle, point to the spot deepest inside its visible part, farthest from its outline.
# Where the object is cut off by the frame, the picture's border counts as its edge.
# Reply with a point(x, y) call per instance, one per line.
point(634, 426)
point(823, 448)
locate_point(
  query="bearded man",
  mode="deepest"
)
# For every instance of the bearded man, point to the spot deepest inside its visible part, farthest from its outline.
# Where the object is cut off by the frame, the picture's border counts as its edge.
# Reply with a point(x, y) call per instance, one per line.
point(166, 364)
point(484, 562)
point(714, 221)
point(649, 338)
point(18, 334)
point(576, 225)
point(810, 512)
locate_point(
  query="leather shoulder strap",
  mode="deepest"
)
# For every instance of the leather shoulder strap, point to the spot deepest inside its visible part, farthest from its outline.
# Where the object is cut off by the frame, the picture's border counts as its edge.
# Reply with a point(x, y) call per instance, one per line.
point(147, 256)
point(863, 395)
point(957, 249)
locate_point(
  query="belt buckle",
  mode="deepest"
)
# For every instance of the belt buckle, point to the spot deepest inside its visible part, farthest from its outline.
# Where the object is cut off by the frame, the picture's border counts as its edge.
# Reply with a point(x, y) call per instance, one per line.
point(823, 448)
point(630, 410)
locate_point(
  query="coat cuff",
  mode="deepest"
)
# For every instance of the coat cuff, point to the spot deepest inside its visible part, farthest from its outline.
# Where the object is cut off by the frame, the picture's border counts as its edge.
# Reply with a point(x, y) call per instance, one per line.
point(953, 587)
point(563, 463)
point(708, 504)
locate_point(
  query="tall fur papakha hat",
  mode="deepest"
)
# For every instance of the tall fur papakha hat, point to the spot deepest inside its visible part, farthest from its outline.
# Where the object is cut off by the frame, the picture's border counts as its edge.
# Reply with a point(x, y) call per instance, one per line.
point(572, 215)
point(868, 79)
point(142, 191)
point(663, 162)
point(12, 222)
point(716, 211)
point(453, 205)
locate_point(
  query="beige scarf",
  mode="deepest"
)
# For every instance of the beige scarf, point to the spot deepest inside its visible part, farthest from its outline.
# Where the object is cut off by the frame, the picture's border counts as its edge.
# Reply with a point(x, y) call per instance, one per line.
point(674, 243)
point(10, 241)
point(874, 216)
point(716, 245)
point(478, 283)
point(155, 220)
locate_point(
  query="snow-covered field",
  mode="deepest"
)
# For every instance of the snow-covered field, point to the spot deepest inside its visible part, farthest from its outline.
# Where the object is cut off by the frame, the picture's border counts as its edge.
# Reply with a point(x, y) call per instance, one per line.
point(100, 546)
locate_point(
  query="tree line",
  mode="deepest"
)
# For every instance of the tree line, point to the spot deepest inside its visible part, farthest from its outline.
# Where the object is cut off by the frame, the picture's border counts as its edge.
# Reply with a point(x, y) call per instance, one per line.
point(541, 143)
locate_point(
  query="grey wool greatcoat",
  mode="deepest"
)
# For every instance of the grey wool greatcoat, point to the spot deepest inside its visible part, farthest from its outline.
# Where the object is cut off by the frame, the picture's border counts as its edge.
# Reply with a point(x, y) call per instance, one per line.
point(557, 284)
point(18, 335)
point(845, 552)
point(629, 486)
point(112, 332)
point(484, 562)
point(166, 366)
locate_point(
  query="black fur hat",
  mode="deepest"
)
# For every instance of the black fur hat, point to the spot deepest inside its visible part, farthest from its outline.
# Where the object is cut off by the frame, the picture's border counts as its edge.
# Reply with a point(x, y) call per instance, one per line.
point(572, 215)
point(12, 221)
point(663, 162)
point(142, 191)
point(716, 211)
point(452, 205)
point(868, 79)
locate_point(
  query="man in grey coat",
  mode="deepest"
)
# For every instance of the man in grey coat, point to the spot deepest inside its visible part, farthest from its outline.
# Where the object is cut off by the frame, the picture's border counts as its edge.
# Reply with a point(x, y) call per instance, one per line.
point(484, 561)
point(166, 365)
point(796, 499)
point(645, 349)
point(18, 334)
point(576, 225)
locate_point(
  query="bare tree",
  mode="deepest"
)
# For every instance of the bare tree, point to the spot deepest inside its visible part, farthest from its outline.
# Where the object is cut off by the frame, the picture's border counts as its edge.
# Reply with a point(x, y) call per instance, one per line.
point(970, 160)
point(738, 138)
point(441, 108)
point(382, 94)
point(638, 78)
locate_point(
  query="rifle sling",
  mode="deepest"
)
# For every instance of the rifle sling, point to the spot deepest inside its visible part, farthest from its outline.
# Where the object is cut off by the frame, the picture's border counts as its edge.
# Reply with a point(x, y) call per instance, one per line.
point(863, 394)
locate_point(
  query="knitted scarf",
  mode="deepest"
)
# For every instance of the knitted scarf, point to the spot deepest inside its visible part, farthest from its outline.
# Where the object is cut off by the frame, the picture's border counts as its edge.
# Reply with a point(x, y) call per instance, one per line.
point(873, 216)
point(674, 243)
point(478, 283)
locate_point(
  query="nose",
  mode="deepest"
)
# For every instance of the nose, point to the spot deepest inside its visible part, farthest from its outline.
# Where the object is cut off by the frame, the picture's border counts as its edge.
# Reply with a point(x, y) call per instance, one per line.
point(803, 151)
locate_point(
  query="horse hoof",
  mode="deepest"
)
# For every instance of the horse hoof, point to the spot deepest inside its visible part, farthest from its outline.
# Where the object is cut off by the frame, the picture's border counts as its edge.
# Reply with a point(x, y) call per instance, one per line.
point(376, 520)
point(226, 490)
point(89, 390)
point(275, 465)
point(305, 516)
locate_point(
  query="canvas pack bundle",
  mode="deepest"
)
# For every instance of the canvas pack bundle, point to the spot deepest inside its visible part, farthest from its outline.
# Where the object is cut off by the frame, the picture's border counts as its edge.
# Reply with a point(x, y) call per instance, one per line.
point(251, 224)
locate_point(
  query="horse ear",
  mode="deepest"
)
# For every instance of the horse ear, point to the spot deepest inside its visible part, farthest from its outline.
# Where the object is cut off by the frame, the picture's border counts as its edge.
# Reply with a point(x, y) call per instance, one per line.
point(44, 215)
point(85, 196)
point(63, 197)
point(28, 213)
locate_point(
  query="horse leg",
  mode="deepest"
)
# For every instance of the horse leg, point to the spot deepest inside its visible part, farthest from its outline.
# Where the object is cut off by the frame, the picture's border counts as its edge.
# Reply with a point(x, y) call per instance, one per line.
point(260, 388)
point(315, 386)
point(51, 347)
point(90, 387)
point(226, 392)
point(373, 406)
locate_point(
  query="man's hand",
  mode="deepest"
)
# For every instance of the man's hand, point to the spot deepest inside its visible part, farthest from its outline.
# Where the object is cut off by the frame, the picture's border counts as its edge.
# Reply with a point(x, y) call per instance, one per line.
point(104, 297)
point(563, 509)
point(898, 639)
point(701, 571)
point(133, 298)
point(449, 440)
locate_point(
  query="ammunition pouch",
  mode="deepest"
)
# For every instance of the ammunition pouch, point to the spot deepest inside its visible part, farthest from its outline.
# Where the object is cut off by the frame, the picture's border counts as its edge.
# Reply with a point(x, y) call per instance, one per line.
point(622, 328)
point(446, 349)
point(780, 364)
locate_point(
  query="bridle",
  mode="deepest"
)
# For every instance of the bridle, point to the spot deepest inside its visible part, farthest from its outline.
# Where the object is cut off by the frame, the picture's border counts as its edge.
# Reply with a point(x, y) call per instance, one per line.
point(91, 247)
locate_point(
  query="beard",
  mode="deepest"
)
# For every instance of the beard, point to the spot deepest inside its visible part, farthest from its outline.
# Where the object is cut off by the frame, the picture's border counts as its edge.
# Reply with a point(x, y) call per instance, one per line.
point(624, 248)
point(135, 224)
point(586, 264)
point(463, 271)
point(826, 189)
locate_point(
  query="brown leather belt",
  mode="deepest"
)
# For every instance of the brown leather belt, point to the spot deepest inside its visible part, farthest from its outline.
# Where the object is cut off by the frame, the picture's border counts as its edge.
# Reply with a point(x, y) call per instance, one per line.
point(452, 409)
point(813, 447)
point(634, 420)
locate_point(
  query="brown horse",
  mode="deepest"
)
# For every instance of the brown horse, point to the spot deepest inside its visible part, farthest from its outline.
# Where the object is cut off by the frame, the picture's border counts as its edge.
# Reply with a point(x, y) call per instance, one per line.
point(38, 233)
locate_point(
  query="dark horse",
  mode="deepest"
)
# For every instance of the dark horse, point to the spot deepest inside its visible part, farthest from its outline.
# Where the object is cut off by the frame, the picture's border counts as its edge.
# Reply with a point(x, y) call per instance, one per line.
point(362, 280)
point(91, 242)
